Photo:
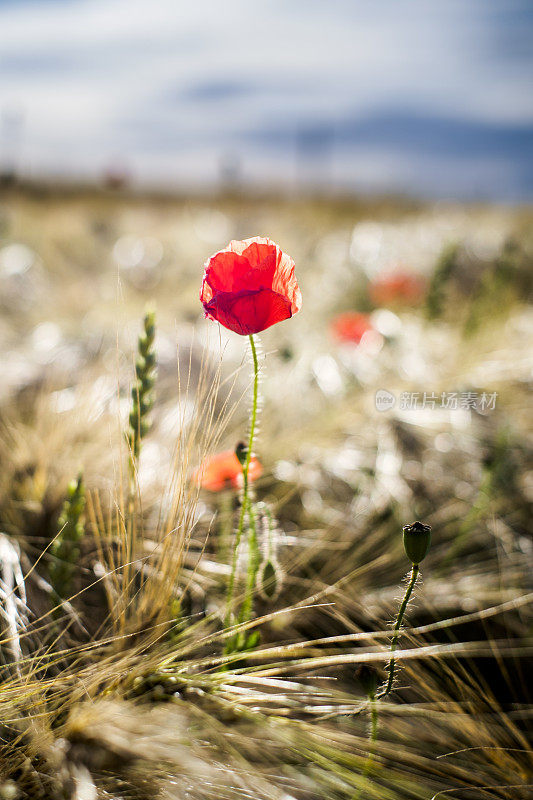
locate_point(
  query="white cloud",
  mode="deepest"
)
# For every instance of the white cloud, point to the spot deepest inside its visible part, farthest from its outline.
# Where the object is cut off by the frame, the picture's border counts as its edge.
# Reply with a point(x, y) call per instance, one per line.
point(99, 77)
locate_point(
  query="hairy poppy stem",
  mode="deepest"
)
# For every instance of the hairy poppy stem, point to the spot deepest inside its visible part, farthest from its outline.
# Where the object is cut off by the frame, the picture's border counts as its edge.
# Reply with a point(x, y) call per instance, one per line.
point(245, 499)
point(253, 565)
point(372, 740)
point(408, 592)
point(374, 721)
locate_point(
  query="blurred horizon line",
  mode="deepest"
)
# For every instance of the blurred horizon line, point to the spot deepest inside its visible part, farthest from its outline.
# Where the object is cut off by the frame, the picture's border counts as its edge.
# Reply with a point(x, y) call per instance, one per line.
point(44, 185)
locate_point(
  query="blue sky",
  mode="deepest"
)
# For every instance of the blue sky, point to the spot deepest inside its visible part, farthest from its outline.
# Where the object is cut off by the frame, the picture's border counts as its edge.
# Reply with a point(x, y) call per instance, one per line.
point(423, 96)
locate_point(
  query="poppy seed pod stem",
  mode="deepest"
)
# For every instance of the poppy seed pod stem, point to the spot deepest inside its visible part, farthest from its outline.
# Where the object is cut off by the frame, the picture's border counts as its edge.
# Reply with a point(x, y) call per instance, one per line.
point(245, 499)
point(408, 592)
point(372, 740)
point(416, 543)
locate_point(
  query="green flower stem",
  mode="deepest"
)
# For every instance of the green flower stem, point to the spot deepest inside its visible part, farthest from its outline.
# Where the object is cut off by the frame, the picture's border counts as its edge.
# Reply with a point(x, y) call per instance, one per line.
point(372, 696)
point(414, 575)
point(245, 499)
point(253, 566)
point(374, 722)
point(225, 515)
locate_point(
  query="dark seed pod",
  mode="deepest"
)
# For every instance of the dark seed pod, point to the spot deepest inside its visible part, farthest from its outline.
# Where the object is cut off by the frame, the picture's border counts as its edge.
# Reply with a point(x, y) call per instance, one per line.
point(269, 579)
point(416, 541)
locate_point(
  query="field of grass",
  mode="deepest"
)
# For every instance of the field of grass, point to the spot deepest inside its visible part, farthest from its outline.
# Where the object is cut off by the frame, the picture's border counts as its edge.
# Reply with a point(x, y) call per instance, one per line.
point(119, 675)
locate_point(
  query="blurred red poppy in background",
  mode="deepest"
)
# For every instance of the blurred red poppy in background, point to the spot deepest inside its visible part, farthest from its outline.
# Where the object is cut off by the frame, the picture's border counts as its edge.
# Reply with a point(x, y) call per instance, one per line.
point(224, 471)
point(351, 326)
point(249, 286)
point(397, 287)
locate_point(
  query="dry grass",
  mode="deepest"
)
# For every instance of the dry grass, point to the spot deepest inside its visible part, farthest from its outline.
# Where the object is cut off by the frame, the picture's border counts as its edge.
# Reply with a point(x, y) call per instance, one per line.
point(127, 693)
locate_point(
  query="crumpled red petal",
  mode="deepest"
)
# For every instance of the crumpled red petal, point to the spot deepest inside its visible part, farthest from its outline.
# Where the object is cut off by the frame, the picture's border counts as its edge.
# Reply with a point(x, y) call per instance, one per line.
point(249, 286)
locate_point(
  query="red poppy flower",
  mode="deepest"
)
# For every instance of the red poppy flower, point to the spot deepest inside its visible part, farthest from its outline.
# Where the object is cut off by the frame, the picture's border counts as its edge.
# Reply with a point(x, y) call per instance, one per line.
point(351, 326)
point(398, 286)
point(224, 471)
point(249, 286)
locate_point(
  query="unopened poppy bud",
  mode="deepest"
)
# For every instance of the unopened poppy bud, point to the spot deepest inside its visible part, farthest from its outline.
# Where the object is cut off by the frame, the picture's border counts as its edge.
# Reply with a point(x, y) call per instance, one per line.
point(368, 678)
point(241, 451)
point(416, 541)
point(269, 579)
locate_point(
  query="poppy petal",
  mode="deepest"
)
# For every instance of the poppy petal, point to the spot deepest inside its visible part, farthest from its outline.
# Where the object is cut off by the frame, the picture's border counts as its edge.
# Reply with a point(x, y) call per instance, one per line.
point(223, 470)
point(248, 312)
point(250, 285)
